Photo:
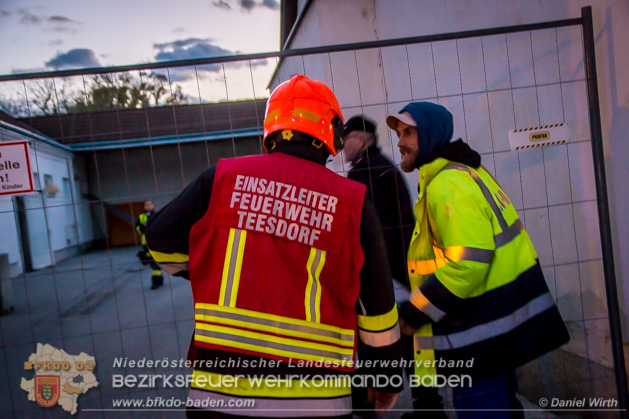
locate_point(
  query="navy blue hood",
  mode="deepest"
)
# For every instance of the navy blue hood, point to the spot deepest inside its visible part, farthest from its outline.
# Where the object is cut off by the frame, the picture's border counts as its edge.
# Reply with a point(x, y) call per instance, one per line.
point(434, 127)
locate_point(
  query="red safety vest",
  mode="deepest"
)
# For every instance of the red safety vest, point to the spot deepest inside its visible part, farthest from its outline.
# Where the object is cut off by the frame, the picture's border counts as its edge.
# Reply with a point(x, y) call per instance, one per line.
point(275, 262)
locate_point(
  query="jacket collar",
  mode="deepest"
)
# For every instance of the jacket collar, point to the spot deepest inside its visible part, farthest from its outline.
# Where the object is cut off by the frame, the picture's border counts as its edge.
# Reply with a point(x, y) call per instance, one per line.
point(301, 150)
point(456, 151)
point(459, 152)
point(428, 171)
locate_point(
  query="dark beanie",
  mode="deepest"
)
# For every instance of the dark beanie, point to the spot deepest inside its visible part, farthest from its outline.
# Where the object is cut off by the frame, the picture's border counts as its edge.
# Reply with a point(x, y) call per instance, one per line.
point(359, 123)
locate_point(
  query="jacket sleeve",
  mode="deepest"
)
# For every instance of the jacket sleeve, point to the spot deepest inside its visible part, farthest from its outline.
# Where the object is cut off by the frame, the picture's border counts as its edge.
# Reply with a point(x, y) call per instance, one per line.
point(380, 349)
point(401, 231)
point(387, 190)
point(168, 230)
point(461, 221)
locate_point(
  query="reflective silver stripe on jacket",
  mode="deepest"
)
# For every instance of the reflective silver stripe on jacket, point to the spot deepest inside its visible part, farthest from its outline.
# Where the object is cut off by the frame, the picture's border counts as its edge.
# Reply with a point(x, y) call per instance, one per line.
point(228, 337)
point(472, 254)
point(275, 408)
point(313, 309)
point(420, 301)
point(228, 277)
point(378, 339)
point(174, 268)
point(487, 330)
point(508, 232)
point(274, 323)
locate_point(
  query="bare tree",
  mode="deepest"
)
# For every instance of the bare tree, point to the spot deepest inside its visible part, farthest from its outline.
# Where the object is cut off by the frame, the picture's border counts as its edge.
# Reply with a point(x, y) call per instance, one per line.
point(102, 92)
point(126, 92)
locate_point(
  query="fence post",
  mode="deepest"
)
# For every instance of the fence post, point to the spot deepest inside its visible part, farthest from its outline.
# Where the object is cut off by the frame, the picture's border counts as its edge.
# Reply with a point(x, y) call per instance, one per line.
point(603, 209)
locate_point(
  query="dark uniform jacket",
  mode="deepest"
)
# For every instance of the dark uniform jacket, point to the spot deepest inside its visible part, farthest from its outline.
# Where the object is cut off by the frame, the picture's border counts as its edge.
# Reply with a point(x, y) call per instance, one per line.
point(387, 190)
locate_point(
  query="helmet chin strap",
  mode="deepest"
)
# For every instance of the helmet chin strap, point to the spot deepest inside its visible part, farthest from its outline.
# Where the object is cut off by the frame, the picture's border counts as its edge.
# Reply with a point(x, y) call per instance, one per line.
point(337, 126)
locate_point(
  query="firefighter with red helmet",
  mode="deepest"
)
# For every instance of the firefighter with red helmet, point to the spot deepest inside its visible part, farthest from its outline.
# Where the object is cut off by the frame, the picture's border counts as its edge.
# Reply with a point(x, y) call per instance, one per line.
point(288, 271)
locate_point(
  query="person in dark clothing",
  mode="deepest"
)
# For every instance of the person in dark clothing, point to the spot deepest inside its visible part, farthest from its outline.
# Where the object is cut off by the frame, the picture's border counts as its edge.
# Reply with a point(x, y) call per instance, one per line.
point(157, 277)
point(282, 256)
point(387, 190)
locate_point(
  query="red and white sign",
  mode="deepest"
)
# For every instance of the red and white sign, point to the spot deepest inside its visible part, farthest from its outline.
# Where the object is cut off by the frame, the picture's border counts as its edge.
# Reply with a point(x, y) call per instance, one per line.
point(16, 176)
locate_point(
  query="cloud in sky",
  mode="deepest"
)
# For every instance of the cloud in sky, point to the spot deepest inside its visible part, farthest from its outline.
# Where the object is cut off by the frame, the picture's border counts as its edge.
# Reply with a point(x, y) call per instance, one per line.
point(190, 48)
point(55, 23)
point(60, 19)
point(75, 58)
point(184, 49)
point(246, 5)
point(222, 4)
point(271, 4)
point(27, 18)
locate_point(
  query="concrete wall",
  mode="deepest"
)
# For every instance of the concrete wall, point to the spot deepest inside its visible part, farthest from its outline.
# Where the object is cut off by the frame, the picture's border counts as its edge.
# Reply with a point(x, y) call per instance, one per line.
point(492, 85)
point(156, 173)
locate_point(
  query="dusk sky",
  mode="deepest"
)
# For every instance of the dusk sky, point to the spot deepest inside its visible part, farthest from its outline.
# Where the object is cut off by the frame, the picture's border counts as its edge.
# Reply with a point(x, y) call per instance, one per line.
point(37, 35)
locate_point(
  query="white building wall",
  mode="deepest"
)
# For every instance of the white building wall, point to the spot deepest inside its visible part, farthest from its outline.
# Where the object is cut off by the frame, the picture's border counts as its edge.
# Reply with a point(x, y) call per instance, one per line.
point(9, 243)
point(58, 224)
point(47, 161)
point(492, 85)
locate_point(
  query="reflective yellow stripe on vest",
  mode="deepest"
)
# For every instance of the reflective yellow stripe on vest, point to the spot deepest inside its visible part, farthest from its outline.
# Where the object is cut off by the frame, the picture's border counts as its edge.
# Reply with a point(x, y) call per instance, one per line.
point(424, 358)
point(169, 257)
point(272, 323)
point(302, 388)
point(273, 334)
point(380, 322)
point(232, 267)
point(316, 260)
point(380, 330)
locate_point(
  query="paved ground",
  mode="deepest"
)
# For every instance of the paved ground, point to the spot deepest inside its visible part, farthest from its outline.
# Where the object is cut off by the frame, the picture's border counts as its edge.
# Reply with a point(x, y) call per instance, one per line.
point(101, 303)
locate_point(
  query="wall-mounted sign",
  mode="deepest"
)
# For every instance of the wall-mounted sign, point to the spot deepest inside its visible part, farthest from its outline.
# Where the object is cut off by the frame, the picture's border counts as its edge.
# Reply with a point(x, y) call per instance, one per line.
point(16, 176)
point(546, 135)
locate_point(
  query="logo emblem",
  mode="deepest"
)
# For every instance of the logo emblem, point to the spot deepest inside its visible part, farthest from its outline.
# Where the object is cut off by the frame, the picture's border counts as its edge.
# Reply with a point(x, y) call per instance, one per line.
point(287, 134)
point(47, 389)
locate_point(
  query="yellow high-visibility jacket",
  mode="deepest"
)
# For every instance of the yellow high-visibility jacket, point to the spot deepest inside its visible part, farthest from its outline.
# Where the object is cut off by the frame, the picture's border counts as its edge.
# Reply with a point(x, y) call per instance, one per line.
point(474, 273)
point(140, 226)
